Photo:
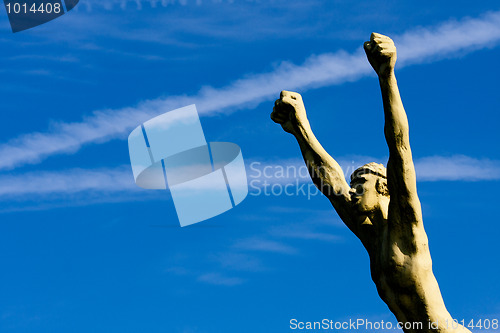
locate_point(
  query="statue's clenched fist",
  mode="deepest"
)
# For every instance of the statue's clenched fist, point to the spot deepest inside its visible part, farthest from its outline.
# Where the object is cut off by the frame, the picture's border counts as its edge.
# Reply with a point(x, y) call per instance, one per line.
point(381, 54)
point(289, 112)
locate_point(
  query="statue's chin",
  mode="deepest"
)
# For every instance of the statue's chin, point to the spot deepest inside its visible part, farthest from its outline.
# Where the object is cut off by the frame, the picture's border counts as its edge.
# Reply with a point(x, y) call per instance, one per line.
point(364, 210)
point(361, 211)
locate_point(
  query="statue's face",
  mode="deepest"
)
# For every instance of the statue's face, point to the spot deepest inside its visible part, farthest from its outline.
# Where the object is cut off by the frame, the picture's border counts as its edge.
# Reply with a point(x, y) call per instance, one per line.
point(364, 194)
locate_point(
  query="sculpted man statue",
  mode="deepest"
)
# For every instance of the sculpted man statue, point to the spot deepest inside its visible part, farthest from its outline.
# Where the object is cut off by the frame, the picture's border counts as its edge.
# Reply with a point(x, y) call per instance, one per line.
point(381, 206)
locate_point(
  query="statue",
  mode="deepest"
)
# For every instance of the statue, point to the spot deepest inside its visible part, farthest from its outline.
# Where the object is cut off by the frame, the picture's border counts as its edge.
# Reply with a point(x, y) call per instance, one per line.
point(381, 206)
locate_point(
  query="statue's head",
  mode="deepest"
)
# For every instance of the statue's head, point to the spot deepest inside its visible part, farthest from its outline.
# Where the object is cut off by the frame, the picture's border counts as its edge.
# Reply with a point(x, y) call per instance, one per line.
point(369, 187)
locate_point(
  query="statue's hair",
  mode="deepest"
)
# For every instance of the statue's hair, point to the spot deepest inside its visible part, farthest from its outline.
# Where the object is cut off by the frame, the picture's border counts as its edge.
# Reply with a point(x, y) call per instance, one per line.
point(373, 168)
point(377, 170)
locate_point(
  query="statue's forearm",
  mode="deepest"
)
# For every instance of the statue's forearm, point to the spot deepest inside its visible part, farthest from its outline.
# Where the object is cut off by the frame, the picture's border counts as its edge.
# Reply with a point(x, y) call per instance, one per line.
point(396, 121)
point(325, 172)
point(289, 111)
point(400, 169)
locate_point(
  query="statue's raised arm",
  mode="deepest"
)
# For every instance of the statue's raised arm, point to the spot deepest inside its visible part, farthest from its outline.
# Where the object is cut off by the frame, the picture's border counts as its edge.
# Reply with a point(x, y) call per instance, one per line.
point(380, 205)
point(401, 178)
point(325, 172)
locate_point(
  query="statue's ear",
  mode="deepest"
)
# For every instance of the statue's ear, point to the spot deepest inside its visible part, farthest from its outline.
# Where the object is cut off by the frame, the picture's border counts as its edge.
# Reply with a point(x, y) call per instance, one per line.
point(381, 186)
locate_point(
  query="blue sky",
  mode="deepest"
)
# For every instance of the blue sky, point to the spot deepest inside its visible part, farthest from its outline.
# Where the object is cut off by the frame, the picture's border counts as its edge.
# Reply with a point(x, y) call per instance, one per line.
point(83, 249)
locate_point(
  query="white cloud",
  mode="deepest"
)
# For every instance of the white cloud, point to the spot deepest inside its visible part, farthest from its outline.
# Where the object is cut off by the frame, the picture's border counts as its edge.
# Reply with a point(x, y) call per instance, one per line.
point(138, 4)
point(264, 245)
point(220, 279)
point(178, 270)
point(449, 39)
point(104, 181)
point(214, 278)
point(286, 171)
point(458, 167)
point(300, 231)
point(428, 169)
point(421, 45)
point(66, 182)
point(237, 261)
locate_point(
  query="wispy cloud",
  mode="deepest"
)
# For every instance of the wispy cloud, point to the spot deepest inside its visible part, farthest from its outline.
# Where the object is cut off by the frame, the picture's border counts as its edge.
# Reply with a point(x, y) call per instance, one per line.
point(423, 45)
point(304, 232)
point(237, 261)
point(458, 167)
point(37, 57)
point(67, 182)
point(214, 278)
point(140, 4)
point(167, 23)
point(178, 270)
point(428, 169)
point(135, 4)
point(264, 245)
point(288, 171)
point(247, 255)
point(220, 279)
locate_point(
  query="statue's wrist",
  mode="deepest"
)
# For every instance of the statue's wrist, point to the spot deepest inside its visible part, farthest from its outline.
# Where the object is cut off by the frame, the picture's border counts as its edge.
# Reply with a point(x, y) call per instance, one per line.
point(302, 131)
point(387, 75)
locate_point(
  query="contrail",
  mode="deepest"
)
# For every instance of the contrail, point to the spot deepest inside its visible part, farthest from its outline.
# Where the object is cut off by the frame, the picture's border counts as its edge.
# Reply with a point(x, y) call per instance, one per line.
point(417, 46)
